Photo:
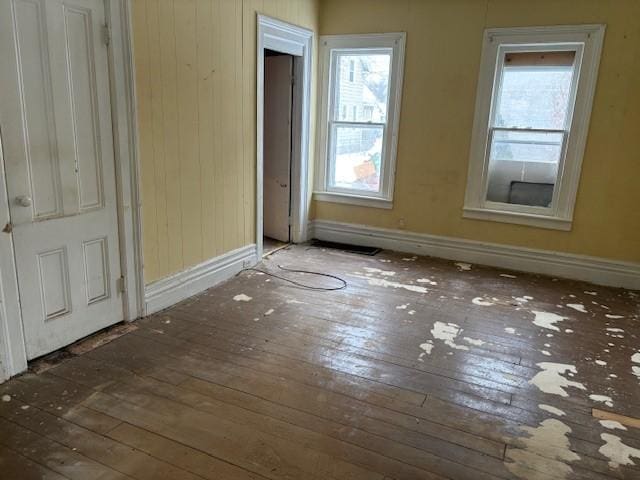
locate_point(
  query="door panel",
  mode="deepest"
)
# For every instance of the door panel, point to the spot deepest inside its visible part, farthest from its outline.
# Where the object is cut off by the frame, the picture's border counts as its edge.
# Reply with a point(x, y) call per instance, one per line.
point(277, 146)
point(56, 131)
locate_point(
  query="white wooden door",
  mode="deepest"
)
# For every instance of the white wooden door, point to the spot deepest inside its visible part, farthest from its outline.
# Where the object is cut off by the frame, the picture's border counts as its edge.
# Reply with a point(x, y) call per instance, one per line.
point(277, 145)
point(55, 122)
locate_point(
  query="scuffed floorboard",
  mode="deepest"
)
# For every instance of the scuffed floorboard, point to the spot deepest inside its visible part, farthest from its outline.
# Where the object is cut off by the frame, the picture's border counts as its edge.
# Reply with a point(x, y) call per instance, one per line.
point(419, 369)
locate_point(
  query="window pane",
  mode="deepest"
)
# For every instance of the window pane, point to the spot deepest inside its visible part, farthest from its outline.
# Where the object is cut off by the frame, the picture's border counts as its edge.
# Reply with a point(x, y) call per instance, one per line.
point(356, 158)
point(535, 90)
point(363, 86)
point(523, 167)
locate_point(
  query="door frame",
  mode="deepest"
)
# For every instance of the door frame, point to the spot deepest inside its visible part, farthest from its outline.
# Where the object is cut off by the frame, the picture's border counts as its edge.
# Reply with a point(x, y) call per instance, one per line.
point(13, 356)
point(289, 39)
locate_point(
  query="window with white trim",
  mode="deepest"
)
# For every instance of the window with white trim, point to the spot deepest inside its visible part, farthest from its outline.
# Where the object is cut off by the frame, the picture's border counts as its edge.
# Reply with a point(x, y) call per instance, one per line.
point(532, 114)
point(362, 75)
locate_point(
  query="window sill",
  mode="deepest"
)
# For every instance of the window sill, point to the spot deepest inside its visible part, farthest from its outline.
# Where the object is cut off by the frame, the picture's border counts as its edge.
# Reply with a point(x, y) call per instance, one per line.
point(529, 219)
point(361, 201)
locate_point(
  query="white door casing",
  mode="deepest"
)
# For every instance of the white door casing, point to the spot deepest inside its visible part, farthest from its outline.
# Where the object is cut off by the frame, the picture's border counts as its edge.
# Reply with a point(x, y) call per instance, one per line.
point(59, 163)
point(278, 71)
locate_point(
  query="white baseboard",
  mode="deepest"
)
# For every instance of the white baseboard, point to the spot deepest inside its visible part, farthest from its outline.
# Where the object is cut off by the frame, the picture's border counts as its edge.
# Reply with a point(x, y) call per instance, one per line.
point(168, 291)
point(596, 270)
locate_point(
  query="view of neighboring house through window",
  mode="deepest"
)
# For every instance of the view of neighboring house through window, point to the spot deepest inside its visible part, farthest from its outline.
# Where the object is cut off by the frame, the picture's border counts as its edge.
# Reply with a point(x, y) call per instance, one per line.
point(533, 105)
point(358, 150)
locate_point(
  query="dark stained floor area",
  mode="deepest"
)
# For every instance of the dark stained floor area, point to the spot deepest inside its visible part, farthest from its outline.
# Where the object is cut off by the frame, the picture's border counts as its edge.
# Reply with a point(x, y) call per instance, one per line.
point(419, 369)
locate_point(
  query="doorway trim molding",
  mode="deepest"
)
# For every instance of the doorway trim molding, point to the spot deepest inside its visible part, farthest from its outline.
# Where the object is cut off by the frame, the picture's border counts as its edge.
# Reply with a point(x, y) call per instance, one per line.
point(297, 41)
point(13, 356)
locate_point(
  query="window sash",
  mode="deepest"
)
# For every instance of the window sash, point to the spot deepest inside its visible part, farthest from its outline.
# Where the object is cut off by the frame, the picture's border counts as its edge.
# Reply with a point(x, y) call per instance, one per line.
point(331, 158)
point(503, 51)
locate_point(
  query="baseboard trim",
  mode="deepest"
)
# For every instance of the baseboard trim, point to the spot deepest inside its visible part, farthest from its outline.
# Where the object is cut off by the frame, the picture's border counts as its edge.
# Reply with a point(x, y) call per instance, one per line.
point(168, 291)
point(595, 270)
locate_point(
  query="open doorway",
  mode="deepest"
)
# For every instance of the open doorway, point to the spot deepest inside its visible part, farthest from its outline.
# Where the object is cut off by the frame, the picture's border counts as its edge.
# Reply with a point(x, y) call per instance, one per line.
point(278, 133)
point(283, 119)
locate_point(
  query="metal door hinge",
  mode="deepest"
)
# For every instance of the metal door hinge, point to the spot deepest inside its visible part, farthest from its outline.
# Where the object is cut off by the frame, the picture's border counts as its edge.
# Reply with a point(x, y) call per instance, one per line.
point(121, 285)
point(106, 34)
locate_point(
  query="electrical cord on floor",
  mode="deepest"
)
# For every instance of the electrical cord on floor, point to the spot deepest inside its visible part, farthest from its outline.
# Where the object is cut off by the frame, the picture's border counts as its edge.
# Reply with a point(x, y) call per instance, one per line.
point(298, 284)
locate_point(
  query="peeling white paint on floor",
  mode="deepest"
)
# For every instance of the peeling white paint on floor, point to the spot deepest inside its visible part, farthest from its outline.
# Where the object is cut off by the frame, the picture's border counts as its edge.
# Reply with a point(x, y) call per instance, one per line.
point(384, 273)
point(381, 282)
point(602, 399)
point(568, 330)
point(294, 301)
point(524, 299)
point(551, 409)
point(463, 266)
point(427, 347)
point(550, 379)
point(268, 312)
point(410, 259)
point(411, 312)
point(507, 275)
point(577, 306)
point(615, 330)
point(6, 398)
point(403, 306)
point(474, 341)
point(242, 298)
point(510, 330)
point(482, 302)
point(547, 319)
point(544, 453)
point(591, 293)
point(602, 363)
point(635, 369)
point(617, 452)
point(612, 425)
point(427, 281)
point(613, 317)
point(545, 352)
point(448, 332)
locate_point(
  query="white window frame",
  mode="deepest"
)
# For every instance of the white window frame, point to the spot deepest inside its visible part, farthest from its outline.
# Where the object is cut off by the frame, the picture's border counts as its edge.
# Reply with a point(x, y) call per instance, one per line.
point(586, 41)
point(330, 46)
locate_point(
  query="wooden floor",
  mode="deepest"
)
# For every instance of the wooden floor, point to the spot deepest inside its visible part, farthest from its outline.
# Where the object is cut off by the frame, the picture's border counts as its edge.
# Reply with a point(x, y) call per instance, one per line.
point(419, 369)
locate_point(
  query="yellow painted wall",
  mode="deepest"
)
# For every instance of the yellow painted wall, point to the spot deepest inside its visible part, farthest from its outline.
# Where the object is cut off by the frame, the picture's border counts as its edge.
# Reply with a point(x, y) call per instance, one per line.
point(195, 67)
point(442, 62)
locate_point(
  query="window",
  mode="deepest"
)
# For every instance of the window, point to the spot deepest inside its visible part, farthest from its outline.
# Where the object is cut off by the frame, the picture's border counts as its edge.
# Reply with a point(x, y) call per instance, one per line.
point(532, 114)
point(357, 155)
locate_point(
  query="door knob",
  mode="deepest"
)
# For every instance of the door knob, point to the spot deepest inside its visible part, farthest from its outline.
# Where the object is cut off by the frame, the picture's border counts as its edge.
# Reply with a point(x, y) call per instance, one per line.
point(23, 200)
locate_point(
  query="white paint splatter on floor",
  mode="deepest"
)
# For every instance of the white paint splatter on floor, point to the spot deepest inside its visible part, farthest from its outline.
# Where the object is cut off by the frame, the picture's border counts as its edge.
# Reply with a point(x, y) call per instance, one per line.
point(482, 302)
point(381, 282)
point(427, 281)
point(384, 273)
point(591, 293)
point(602, 363)
point(602, 399)
point(463, 266)
point(411, 312)
point(25, 407)
point(268, 312)
point(448, 332)
point(545, 452)
point(550, 379)
point(242, 298)
point(613, 317)
point(568, 330)
point(617, 452)
point(6, 398)
point(635, 369)
point(551, 409)
point(545, 352)
point(427, 347)
point(294, 301)
point(507, 275)
point(547, 319)
point(577, 306)
point(474, 341)
point(612, 425)
point(403, 306)
point(410, 259)
point(510, 330)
